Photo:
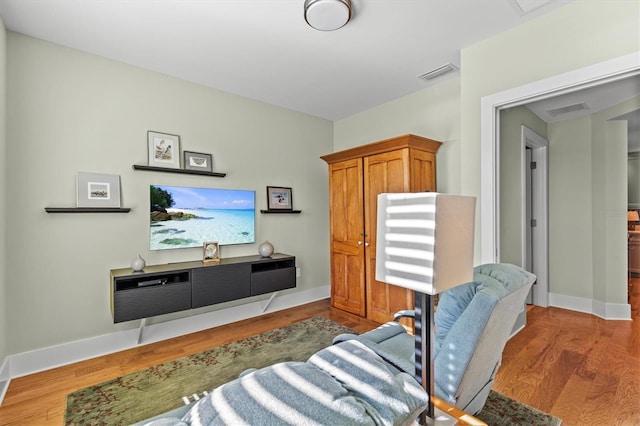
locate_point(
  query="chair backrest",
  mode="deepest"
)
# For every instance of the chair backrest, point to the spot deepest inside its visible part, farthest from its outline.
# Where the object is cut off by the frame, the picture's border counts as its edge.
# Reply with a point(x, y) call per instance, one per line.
point(473, 324)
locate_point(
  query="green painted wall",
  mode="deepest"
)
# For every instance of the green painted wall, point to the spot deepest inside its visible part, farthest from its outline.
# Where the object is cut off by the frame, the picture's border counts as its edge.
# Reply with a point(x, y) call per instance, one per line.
point(73, 112)
point(570, 216)
point(433, 113)
point(511, 122)
point(574, 36)
point(68, 111)
point(587, 205)
point(610, 153)
point(3, 201)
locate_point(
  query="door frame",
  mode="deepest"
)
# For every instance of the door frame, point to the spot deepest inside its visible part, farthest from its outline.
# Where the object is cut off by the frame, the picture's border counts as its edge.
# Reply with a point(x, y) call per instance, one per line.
point(490, 106)
point(540, 233)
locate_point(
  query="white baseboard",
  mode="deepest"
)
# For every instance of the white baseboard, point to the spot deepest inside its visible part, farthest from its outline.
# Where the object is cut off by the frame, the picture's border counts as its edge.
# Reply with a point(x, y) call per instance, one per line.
point(4, 385)
point(31, 362)
point(5, 378)
point(608, 311)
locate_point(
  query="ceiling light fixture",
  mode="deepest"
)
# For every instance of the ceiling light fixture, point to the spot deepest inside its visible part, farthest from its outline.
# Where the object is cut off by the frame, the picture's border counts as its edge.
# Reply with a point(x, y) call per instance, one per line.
point(327, 15)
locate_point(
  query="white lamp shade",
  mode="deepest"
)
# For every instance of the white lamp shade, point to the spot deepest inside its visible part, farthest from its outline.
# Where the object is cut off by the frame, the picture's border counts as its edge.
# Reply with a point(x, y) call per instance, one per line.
point(425, 240)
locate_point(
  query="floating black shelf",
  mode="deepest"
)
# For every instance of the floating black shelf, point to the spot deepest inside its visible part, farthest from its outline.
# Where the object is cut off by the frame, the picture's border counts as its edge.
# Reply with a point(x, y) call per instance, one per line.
point(281, 211)
point(182, 171)
point(86, 210)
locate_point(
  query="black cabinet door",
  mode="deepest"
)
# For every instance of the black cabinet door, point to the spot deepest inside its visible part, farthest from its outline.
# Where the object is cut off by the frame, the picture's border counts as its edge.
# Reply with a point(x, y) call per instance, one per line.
point(220, 283)
point(270, 281)
point(146, 302)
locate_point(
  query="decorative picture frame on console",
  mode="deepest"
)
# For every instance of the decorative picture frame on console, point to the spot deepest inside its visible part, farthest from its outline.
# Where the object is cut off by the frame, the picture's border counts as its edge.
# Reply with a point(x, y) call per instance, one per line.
point(198, 161)
point(279, 198)
point(210, 252)
point(164, 150)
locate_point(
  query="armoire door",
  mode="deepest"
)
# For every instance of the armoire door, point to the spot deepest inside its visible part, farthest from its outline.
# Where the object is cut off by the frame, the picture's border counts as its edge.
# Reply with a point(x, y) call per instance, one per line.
point(347, 236)
point(387, 172)
point(423, 171)
point(356, 176)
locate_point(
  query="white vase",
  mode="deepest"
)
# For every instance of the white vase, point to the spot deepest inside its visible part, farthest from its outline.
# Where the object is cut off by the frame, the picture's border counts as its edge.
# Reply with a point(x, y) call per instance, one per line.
point(265, 249)
point(138, 264)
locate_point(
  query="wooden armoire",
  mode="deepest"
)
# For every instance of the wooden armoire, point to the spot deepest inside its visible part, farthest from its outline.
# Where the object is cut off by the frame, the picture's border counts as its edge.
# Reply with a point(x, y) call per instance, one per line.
point(356, 177)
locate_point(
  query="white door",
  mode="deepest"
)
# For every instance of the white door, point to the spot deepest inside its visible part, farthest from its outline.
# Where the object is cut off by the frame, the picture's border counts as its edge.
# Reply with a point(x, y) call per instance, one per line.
point(535, 217)
point(529, 218)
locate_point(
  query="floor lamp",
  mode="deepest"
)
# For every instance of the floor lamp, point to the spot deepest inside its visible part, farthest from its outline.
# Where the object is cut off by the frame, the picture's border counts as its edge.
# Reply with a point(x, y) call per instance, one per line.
point(425, 244)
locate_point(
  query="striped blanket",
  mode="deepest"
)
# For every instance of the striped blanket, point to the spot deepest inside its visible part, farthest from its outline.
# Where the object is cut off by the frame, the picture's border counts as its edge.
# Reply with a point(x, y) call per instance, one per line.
point(344, 384)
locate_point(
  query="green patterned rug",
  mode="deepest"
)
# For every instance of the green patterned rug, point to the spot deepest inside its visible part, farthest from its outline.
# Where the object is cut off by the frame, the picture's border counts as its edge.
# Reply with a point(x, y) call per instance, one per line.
point(144, 394)
point(138, 396)
point(500, 410)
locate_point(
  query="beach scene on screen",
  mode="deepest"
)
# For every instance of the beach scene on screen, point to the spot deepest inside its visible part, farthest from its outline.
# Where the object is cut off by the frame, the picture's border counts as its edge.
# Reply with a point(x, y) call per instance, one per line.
point(183, 217)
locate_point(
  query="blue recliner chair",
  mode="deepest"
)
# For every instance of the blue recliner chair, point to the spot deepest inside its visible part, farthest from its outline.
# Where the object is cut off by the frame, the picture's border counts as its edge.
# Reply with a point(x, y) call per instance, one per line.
point(473, 323)
point(368, 379)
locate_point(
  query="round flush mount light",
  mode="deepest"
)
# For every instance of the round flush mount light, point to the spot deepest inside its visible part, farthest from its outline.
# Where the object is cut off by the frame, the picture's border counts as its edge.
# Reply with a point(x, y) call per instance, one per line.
point(327, 15)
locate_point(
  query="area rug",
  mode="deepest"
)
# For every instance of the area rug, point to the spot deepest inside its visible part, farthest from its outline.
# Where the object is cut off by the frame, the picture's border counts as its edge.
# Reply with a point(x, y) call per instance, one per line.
point(138, 396)
point(500, 410)
point(150, 392)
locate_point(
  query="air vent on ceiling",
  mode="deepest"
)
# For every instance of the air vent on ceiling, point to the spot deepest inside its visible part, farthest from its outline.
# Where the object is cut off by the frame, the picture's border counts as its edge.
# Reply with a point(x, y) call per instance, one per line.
point(435, 73)
point(527, 6)
point(567, 109)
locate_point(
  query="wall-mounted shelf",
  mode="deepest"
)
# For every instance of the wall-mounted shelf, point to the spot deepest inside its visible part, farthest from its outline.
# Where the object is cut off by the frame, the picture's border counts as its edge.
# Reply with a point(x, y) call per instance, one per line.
point(182, 171)
point(86, 210)
point(281, 211)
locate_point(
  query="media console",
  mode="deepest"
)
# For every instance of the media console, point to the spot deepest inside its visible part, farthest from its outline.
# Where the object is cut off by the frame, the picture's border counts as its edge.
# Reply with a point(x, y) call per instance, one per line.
point(173, 287)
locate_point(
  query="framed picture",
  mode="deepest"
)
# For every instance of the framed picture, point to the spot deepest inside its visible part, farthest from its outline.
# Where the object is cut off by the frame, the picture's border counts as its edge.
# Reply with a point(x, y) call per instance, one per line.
point(164, 150)
point(279, 198)
point(97, 190)
point(211, 252)
point(198, 161)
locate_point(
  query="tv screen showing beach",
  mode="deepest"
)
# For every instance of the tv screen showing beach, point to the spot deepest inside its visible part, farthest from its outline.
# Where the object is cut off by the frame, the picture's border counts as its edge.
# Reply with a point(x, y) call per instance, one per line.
point(183, 217)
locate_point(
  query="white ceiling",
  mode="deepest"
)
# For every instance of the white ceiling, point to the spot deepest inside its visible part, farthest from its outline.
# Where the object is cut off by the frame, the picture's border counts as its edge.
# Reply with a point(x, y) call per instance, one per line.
point(264, 50)
point(596, 99)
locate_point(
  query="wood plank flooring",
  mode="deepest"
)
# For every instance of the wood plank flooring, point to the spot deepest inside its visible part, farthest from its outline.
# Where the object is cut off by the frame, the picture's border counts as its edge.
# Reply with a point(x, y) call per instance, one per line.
point(39, 399)
point(578, 367)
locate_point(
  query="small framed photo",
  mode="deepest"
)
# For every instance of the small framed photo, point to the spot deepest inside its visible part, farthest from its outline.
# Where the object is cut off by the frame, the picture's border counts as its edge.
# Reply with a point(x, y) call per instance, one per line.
point(164, 150)
point(210, 252)
point(198, 161)
point(279, 198)
point(97, 190)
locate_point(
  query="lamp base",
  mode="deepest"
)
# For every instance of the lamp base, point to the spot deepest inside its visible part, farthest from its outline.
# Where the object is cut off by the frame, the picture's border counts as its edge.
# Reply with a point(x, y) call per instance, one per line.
point(424, 326)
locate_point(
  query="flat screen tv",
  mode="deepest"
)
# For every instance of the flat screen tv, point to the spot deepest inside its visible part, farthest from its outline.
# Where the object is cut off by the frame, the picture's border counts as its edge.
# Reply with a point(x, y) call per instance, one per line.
point(184, 217)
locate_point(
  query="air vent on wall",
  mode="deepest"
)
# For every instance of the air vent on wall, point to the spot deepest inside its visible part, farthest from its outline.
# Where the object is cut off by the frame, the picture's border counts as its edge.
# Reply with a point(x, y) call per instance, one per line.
point(435, 73)
point(567, 109)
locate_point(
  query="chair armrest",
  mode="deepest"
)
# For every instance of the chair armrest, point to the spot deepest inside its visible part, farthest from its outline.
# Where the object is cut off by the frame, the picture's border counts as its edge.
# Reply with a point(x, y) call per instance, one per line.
point(406, 313)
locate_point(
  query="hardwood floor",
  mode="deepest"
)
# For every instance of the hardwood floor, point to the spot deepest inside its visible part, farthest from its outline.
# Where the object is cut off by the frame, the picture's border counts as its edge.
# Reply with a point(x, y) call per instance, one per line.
point(39, 399)
point(580, 368)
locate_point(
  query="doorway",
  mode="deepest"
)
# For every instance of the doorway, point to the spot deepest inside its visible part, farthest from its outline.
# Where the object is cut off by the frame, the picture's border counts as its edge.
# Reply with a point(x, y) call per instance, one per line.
point(588, 77)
